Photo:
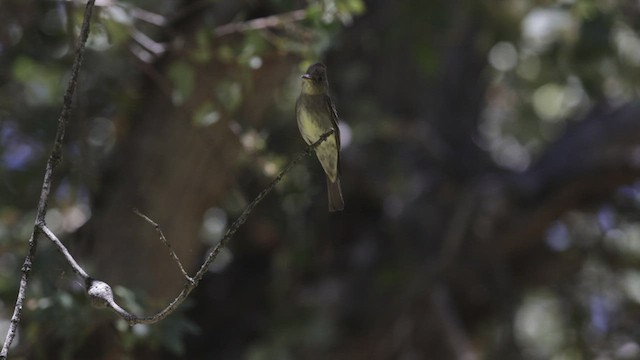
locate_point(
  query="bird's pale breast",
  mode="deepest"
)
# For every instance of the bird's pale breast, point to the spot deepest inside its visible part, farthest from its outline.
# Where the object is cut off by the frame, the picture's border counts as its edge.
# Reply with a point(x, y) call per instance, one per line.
point(312, 125)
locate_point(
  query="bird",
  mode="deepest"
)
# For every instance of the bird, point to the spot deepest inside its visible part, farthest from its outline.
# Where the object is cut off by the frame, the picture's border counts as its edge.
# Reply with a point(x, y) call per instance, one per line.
point(316, 115)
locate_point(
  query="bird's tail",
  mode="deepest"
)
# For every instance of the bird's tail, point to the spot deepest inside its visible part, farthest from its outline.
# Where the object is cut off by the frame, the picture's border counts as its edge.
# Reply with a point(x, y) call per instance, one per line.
point(336, 203)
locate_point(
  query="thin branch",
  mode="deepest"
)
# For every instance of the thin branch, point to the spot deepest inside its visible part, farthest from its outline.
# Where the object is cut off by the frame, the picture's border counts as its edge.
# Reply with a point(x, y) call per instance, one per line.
point(63, 250)
point(240, 26)
point(152, 46)
point(52, 162)
point(146, 15)
point(100, 293)
point(165, 242)
point(213, 253)
point(261, 23)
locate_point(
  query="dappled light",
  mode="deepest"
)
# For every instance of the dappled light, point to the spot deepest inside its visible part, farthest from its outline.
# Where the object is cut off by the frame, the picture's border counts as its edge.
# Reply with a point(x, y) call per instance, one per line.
point(489, 165)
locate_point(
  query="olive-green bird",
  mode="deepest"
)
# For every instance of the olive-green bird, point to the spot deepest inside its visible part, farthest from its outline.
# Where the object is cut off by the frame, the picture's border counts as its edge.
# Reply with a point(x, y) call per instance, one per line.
point(316, 115)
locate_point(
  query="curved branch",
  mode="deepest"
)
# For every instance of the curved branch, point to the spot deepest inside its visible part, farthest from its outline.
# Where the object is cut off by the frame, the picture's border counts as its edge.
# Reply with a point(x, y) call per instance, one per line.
point(189, 286)
point(100, 292)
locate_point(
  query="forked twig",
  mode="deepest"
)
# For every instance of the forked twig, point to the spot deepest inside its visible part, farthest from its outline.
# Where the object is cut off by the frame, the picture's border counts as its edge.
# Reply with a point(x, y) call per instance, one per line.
point(165, 242)
point(213, 252)
point(100, 293)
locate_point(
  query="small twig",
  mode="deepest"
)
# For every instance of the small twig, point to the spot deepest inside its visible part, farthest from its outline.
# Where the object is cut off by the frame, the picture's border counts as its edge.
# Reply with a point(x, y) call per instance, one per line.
point(52, 162)
point(63, 250)
point(254, 24)
point(261, 23)
point(165, 242)
point(146, 15)
point(152, 46)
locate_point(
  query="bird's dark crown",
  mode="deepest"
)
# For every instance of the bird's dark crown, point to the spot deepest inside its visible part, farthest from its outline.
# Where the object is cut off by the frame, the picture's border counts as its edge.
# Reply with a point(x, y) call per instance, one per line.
point(316, 72)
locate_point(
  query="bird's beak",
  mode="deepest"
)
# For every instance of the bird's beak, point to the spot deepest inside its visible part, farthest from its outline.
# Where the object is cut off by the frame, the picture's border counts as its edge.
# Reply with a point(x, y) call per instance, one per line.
point(306, 76)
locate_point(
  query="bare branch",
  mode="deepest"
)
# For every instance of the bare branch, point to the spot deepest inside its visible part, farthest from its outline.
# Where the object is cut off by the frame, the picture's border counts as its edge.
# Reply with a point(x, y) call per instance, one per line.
point(63, 250)
point(152, 46)
point(165, 242)
point(101, 294)
point(261, 23)
point(213, 252)
point(101, 297)
point(52, 162)
point(146, 15)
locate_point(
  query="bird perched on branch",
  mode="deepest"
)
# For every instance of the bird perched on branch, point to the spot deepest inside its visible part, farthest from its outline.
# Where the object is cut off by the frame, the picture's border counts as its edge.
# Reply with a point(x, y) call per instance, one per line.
point(316, 115)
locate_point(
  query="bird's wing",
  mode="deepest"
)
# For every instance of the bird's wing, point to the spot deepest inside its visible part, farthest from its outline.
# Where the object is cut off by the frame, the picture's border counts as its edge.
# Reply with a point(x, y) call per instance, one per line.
point(334, 123)
point(334, 118)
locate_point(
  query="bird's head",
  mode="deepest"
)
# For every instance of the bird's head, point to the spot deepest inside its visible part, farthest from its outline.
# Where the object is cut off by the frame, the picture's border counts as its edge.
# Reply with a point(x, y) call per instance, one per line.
point(314, 81)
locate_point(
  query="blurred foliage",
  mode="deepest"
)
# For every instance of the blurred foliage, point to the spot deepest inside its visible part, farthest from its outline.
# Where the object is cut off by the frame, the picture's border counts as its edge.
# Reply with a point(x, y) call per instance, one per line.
point(569, 56)
point(548, 64)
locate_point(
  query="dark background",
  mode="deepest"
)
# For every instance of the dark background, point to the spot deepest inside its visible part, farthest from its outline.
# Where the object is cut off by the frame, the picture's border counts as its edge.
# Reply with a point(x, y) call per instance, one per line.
point(490, 166)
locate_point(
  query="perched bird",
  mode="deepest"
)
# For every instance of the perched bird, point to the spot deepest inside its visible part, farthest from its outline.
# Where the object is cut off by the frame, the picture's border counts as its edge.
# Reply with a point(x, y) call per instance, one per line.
point(316, 115)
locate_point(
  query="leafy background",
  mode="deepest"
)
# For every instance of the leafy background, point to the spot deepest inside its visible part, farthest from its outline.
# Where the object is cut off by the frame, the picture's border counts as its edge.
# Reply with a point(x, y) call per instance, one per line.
point(490, 166)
